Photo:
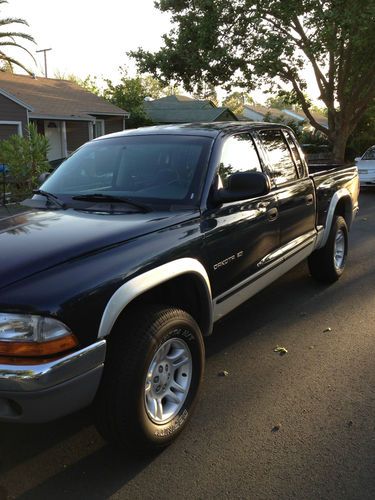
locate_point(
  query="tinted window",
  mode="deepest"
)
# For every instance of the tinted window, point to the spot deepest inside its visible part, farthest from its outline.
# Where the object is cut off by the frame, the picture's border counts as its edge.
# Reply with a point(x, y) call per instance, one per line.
point(295, 153)
point(281, 163)
point(151, 167)
point(238, 155)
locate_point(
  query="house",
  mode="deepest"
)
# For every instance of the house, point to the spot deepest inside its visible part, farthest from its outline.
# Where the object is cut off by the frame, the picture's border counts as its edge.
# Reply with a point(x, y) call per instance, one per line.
point(183, 109)
point(259, 113)
point(64, 112)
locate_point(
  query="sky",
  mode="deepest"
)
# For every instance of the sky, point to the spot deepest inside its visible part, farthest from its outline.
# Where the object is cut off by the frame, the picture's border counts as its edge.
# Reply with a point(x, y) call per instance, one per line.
point(88, 36)
point(92, 37)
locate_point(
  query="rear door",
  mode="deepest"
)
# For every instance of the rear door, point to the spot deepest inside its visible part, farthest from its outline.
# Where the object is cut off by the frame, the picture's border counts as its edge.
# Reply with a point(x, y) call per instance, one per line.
point(291, 184)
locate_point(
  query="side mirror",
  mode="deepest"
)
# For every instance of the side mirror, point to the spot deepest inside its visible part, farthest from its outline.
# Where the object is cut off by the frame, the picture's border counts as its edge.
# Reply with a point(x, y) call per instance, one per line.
point(43, 177)
point(242, 186)
point(358, 158)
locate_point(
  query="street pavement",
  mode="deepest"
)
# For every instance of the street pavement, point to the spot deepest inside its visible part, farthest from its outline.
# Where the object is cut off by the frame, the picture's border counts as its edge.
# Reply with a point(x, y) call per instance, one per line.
point(301, 425)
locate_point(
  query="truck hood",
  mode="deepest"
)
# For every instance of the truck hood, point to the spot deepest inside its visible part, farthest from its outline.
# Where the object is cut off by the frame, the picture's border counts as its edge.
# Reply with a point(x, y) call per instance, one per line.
point(34, 241)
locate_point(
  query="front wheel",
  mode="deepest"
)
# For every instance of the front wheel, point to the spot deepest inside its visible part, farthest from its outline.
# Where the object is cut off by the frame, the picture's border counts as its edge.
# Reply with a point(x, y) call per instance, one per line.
point(328, 263)
point(151, 379)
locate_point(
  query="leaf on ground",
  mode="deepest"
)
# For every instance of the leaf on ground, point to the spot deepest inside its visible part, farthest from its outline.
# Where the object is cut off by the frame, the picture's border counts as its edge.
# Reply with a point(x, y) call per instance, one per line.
point(281, 350)
point(276, 428)
point(223, 373)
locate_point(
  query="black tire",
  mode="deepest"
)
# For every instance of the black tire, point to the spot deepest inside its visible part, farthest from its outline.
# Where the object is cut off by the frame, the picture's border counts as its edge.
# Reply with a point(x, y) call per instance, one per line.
point(322, 263)
point(120, 405)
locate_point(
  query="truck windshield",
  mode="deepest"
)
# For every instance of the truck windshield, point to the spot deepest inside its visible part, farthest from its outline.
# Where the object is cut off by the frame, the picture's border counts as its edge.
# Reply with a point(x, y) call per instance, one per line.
point(154, 168)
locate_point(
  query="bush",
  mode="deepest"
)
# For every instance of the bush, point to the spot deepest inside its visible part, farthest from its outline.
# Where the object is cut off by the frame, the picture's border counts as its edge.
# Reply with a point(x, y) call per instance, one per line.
point(26, 159)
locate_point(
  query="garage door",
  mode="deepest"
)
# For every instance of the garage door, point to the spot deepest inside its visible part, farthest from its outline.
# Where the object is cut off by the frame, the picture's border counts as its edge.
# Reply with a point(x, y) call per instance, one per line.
point(7, 130)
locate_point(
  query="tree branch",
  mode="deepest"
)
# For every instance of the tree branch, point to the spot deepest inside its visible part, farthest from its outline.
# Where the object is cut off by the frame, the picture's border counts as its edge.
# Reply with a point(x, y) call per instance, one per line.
point(320, 78)
point(288, 74)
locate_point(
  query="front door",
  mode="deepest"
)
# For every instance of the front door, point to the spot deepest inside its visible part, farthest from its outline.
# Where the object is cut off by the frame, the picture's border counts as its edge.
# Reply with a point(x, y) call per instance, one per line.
point(238, 235)
point(52, 131)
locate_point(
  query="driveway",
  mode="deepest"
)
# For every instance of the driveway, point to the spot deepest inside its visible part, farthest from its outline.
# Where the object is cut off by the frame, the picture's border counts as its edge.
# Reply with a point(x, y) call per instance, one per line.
point(277, 427)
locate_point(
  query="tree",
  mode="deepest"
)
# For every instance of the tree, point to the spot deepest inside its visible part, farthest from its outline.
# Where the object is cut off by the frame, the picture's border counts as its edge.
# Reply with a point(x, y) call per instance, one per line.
point(236, 101)
point(9, 38)
point(244, 42)
point(364, 135)
point(26, 159)
point(206, 92)
point(89, 83)
point(130, 94)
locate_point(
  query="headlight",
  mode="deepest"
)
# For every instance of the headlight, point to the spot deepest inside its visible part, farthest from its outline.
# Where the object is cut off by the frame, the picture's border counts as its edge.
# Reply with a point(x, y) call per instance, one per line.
point(30, 335)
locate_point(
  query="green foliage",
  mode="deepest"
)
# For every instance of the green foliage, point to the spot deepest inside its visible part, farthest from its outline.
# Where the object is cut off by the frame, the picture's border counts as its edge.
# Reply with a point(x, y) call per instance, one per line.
point(206, 92)
point(251, 42)
point(364, 135)
point(10, 38)
point(295, 125)
point(130, 94)
point(236, 100)
point(26, 158)
point(285, 99)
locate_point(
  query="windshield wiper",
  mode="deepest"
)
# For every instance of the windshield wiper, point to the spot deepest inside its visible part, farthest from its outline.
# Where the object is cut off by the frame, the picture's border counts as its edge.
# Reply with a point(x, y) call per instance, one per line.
point(100, 197)
point(51, 198)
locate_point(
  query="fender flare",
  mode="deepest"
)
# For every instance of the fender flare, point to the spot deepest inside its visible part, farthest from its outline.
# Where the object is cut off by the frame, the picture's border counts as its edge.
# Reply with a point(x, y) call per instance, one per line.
point(127, 292)
point(341, 193)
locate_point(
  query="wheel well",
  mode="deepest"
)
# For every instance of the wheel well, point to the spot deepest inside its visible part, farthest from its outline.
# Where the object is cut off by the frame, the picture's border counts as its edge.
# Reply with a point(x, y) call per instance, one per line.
point(186, 292)
point(344, 208)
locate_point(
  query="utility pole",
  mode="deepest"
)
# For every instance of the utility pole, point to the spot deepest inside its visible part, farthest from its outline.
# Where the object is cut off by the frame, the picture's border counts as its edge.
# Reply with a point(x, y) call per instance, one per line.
point(45, 60)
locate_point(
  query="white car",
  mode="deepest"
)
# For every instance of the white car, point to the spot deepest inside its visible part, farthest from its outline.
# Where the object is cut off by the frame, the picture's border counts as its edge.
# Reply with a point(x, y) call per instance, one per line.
point(366, 167)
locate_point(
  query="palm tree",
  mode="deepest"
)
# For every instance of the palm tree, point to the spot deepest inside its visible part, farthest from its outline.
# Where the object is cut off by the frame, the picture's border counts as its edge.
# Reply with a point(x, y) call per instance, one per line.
point(10, 39)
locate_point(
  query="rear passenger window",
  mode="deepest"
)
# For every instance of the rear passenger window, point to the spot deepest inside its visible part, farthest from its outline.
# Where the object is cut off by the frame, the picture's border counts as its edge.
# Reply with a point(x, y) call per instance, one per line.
point(281, 162)
point(238, 155)
point(295, 153)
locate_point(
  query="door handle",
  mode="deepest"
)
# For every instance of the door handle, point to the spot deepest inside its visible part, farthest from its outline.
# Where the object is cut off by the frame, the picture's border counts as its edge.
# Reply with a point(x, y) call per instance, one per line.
point(309, 199)
point(272, 214)
point(262, 206)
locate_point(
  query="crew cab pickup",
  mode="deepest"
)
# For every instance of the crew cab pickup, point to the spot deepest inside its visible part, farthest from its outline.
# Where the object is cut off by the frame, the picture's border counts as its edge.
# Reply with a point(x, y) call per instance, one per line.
point(134, 247)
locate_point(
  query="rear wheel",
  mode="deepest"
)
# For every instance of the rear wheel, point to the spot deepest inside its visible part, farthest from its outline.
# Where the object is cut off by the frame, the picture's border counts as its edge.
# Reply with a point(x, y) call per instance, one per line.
point(328, 263)
point(151, 379)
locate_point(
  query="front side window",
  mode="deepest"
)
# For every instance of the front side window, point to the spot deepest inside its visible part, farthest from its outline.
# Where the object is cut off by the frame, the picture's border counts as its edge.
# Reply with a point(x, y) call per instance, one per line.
point(155, 168)
point(238, 155)
point(281, 162)
point(370, 154)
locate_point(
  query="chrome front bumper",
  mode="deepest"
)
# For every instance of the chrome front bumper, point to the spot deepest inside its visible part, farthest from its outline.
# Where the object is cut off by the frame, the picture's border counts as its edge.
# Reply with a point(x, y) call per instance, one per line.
point(38, 393)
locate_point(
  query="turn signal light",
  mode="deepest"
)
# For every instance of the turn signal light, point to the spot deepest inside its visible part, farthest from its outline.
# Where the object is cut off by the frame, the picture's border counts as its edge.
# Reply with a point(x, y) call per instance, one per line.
point(47, 348)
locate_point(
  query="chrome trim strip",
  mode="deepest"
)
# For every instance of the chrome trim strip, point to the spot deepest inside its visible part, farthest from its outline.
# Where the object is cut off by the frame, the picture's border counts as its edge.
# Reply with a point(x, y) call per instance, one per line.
point(240, 293)
point(290, 247)
point(140, 284)
point(331, 211)
point(37, 377)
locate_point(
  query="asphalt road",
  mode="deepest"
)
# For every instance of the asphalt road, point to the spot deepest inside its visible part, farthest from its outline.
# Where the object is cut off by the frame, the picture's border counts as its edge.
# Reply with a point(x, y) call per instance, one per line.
point(320, 396)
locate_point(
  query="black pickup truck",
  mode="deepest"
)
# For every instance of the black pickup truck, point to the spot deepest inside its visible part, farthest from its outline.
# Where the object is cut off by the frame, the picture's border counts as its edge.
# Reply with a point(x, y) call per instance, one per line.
point(134, 247)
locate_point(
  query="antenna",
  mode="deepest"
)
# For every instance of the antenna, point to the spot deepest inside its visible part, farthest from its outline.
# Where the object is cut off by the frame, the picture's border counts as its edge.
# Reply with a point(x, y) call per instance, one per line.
point(45, 60)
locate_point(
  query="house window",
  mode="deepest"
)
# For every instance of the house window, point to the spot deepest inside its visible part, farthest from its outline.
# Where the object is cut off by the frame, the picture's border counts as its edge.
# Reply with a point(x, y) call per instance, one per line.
point(99, 128)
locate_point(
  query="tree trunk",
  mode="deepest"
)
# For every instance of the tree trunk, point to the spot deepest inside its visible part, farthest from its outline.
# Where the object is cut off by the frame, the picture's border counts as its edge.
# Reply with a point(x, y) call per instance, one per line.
point(339, 142)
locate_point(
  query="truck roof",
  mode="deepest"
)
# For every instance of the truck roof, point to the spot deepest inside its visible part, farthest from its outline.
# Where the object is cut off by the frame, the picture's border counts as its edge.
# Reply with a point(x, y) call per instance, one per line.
point(211, 129)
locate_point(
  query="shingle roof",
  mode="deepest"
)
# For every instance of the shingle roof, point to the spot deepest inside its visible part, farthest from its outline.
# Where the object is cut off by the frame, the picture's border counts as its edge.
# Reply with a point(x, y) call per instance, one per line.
point(264, 110)
point(319, 117)
point(183, 109)
point(287, 113)
point(51, 97)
